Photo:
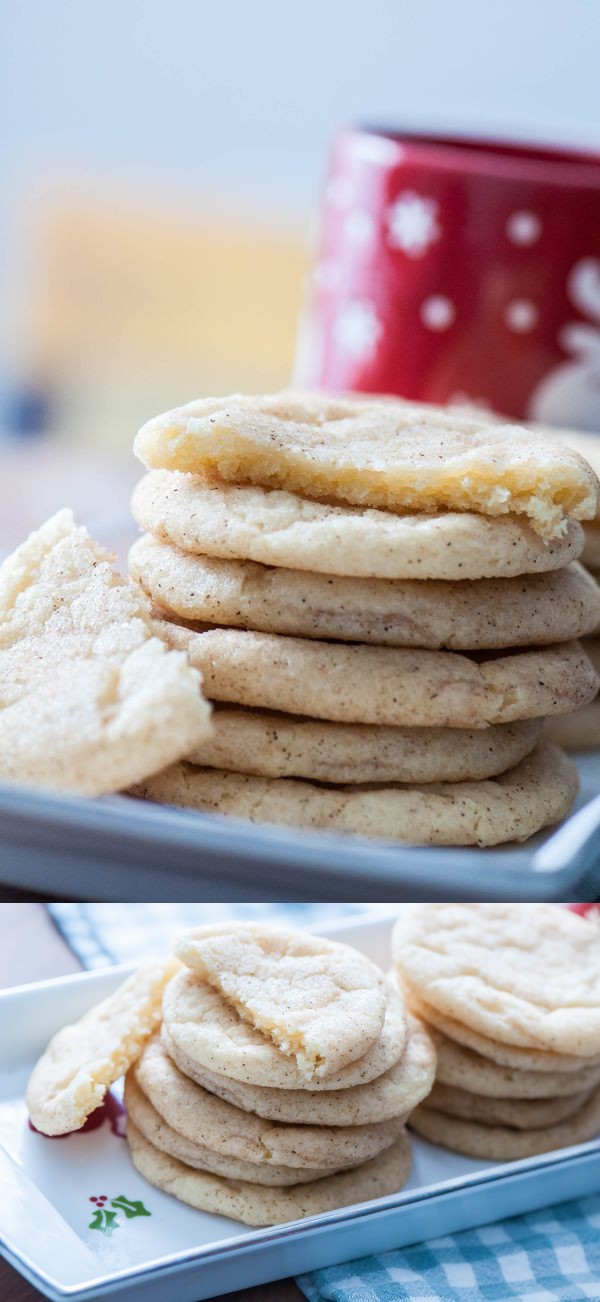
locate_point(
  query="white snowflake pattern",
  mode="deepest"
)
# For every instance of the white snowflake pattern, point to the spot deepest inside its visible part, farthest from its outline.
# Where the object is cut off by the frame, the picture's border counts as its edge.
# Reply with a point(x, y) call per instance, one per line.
point(359, 227)
point(339, 192)
point(569, 394)
point(523, 228)
point(412, 222)
point(437, 312)
point(357, 329)
point(520, 315)
point(326, 275)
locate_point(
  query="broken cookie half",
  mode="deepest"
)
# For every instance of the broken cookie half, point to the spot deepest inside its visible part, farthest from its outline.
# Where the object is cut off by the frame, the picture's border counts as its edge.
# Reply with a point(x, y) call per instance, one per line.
point(396, 456)
point(83, 1060)
point(317, 1000)
point(90, 700)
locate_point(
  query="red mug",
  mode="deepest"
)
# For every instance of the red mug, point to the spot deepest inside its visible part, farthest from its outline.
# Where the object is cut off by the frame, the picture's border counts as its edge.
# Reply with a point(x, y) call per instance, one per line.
point(459, 271)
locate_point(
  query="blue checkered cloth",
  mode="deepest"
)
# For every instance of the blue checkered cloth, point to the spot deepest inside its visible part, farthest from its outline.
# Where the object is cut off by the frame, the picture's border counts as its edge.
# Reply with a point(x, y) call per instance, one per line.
point(548, 1256)
point(132, 933)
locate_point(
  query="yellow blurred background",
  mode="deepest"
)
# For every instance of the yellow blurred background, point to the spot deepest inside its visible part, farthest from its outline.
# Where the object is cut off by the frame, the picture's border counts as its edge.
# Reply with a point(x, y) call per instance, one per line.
point(133, 308)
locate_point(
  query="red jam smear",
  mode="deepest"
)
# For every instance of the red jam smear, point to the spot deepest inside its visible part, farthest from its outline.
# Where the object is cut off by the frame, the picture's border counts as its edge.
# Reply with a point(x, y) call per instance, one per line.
point(112, 1110)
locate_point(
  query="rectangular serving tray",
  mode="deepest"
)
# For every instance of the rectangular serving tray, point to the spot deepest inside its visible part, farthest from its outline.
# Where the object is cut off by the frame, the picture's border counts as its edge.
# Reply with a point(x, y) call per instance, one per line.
point(46, 1186)
point(118, 848)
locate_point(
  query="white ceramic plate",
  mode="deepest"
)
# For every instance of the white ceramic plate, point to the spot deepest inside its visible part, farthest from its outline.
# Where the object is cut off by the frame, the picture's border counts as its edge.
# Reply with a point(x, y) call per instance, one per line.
point(142, 1244)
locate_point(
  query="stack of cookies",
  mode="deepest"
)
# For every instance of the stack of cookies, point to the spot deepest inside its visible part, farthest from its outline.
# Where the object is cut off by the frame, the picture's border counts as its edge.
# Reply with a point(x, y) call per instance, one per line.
point(282, 1079)
point(511, 995)
point(587, 445)
point(384, 602)
point(581, 730)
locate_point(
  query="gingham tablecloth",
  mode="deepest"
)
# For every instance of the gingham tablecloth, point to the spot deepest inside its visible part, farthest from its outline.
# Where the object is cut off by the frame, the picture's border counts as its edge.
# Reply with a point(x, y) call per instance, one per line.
point(123, 933)
point(547, 1256)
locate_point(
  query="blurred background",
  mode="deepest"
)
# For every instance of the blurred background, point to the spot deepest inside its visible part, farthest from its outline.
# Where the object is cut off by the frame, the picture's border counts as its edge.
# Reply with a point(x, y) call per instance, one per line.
point(160, 181)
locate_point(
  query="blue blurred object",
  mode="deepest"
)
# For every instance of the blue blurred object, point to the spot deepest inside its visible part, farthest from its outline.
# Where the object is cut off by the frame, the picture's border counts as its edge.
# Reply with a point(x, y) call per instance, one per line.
point(26, 412)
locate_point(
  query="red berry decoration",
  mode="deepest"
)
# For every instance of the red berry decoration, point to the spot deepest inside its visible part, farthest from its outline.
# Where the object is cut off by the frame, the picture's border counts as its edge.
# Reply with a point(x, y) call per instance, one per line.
point(590, 911)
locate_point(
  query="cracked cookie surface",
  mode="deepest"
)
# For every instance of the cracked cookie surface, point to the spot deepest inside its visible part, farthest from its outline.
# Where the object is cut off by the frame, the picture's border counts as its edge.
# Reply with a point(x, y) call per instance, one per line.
point(524, 977)
point(321, 1003)
point(90, 701)
point(200, 1022)
point(392, 455)
point(83, 1060)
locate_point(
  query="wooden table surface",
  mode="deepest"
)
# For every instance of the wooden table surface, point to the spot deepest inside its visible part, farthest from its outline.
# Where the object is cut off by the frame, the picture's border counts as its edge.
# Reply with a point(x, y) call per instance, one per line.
point(30, 950)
